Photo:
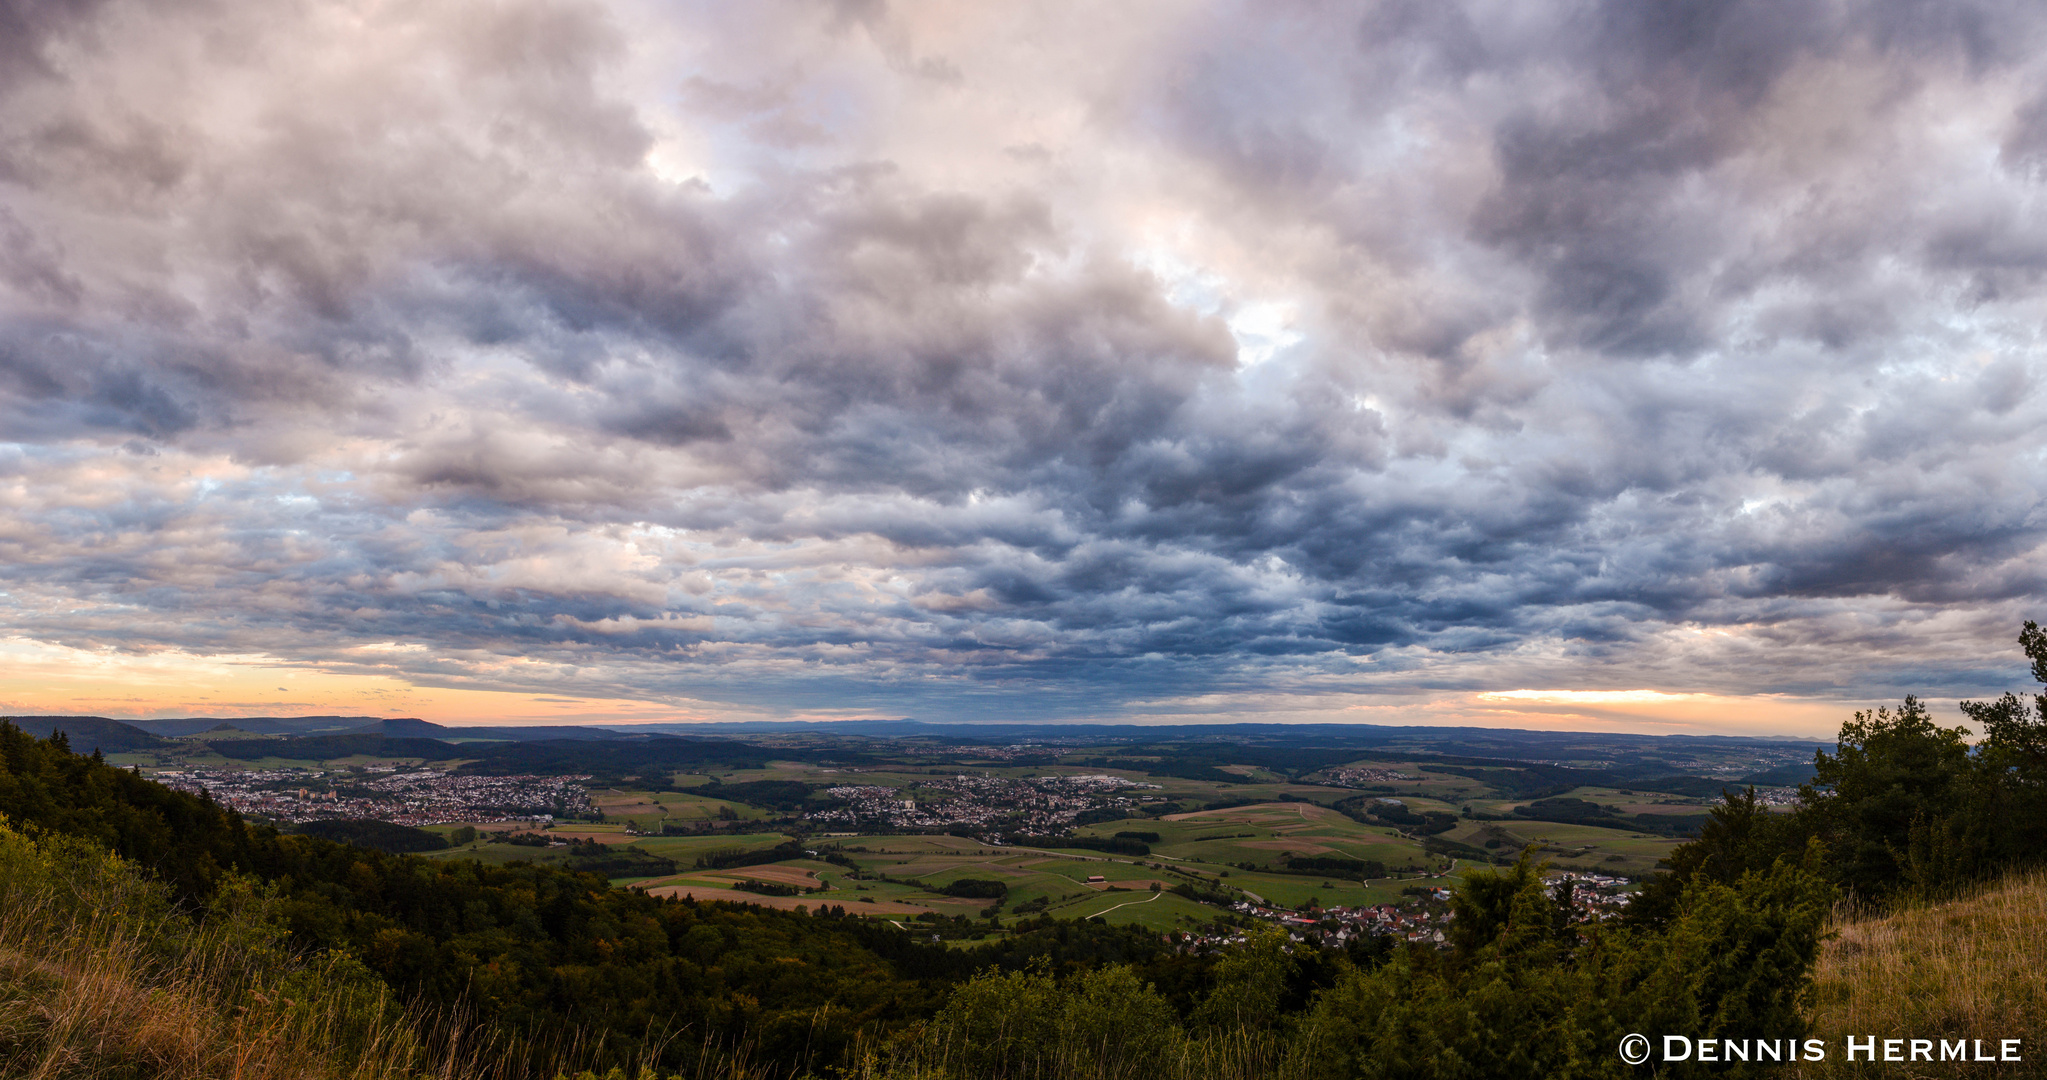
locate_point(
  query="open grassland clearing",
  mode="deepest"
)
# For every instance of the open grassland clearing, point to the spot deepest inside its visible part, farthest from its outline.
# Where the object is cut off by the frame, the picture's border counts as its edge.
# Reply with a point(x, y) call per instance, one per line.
point(1264, 816)
point(1675, 807)
point(1291, 891)
point(1965, 969)
point(1622, 801)
point(650, 810)
point(1112, 871)
point(1422, 804)
point(500, 854)
point(1264, 833)
point(685, 850)
point(870, 892)
point(1177, 789)
point(1577, 847)
point(1254, 772)
point(1161, 911)
point(802, 772)
point(864, 845)
point(1038, 880)
point(1427, 782)
point(603, 832)
point(870, 896)
point(965, 858)
point(101, 976)
point(1395, 853)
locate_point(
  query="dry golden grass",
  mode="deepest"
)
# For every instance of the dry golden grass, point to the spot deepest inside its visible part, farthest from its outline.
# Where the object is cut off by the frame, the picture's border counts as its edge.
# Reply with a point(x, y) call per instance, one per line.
point(1236, 1056)
point(101, 979)
point(1971, 968)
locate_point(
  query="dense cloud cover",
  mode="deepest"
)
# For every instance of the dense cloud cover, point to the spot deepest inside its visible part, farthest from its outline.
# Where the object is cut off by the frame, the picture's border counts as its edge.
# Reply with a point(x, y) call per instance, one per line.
point(1035, 360)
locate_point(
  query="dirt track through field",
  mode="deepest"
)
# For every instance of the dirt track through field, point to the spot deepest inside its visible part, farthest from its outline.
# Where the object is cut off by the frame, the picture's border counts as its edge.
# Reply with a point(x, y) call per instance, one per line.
point(1125, 904)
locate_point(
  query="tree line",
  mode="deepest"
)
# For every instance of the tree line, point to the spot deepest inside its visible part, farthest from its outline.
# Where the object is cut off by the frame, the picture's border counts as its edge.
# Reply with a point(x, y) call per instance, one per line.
point(1903, 807)
point(1721, 944)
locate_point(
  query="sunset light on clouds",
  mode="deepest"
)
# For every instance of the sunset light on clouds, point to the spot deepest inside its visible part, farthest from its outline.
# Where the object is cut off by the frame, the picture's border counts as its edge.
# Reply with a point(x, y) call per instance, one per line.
point(561, 361)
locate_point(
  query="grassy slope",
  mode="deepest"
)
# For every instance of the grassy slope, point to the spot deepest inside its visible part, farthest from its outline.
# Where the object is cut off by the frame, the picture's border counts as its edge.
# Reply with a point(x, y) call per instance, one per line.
point(1966, 969)
point(102, 978)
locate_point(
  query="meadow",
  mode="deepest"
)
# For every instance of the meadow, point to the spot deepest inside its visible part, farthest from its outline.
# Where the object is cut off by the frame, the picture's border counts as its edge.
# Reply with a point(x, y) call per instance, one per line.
point(1230, 836)
point(902, 875)
point(1969, 968)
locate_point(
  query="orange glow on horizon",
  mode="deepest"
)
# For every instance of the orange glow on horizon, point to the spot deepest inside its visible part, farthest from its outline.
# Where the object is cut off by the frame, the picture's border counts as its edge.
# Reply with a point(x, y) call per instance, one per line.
point(41, 678)
point(1664, 713)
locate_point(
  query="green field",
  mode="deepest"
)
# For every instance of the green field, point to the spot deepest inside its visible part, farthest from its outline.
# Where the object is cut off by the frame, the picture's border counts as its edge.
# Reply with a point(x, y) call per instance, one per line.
point(900, 876)
point(1577, 847)
point(650, 811)
point(1265, 833)
point(1628, 802)
point(1231, 851)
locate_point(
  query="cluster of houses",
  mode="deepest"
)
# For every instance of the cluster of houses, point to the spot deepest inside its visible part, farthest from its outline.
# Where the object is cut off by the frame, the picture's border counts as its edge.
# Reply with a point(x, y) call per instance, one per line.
point(1361, 777)
point(1595, 896)
point(1044, 804)
point(1420, 919)
point(1419, 922)
point(383, 793)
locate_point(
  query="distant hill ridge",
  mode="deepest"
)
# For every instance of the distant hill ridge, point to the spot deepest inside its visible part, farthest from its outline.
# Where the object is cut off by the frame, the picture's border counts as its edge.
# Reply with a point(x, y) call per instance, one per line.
point(111, 736)
point(411, 728)
point(89, 733)
point(255, 725)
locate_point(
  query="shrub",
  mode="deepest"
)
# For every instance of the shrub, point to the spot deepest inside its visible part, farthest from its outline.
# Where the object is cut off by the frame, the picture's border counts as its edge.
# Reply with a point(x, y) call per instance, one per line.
point(102, 975)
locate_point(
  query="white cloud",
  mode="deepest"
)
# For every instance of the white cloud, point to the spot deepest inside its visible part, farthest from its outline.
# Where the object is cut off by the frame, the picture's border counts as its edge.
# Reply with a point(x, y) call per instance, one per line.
point(1042, 359)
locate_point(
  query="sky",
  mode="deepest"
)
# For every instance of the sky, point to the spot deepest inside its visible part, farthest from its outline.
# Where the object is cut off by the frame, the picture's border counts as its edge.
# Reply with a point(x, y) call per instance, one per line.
point(1590, 364)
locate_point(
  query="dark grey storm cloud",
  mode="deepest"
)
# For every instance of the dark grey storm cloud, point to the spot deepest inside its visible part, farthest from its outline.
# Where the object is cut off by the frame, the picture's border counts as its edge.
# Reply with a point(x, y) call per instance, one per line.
point(1134, 360)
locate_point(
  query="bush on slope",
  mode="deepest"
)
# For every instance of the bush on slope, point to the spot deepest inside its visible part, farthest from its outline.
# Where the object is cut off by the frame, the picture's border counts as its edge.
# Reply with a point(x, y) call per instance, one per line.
point(102, 977)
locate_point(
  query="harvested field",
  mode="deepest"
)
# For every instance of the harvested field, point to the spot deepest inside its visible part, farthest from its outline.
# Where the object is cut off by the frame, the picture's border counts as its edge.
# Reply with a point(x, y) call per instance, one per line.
point(777, 873)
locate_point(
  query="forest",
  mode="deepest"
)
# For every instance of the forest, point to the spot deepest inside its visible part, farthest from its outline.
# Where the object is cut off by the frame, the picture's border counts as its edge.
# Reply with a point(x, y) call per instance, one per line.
point(564, 972)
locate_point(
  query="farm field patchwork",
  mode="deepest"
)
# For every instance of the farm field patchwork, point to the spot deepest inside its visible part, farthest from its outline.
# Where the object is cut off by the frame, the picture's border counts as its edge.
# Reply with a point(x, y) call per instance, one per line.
point(1195, 837)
